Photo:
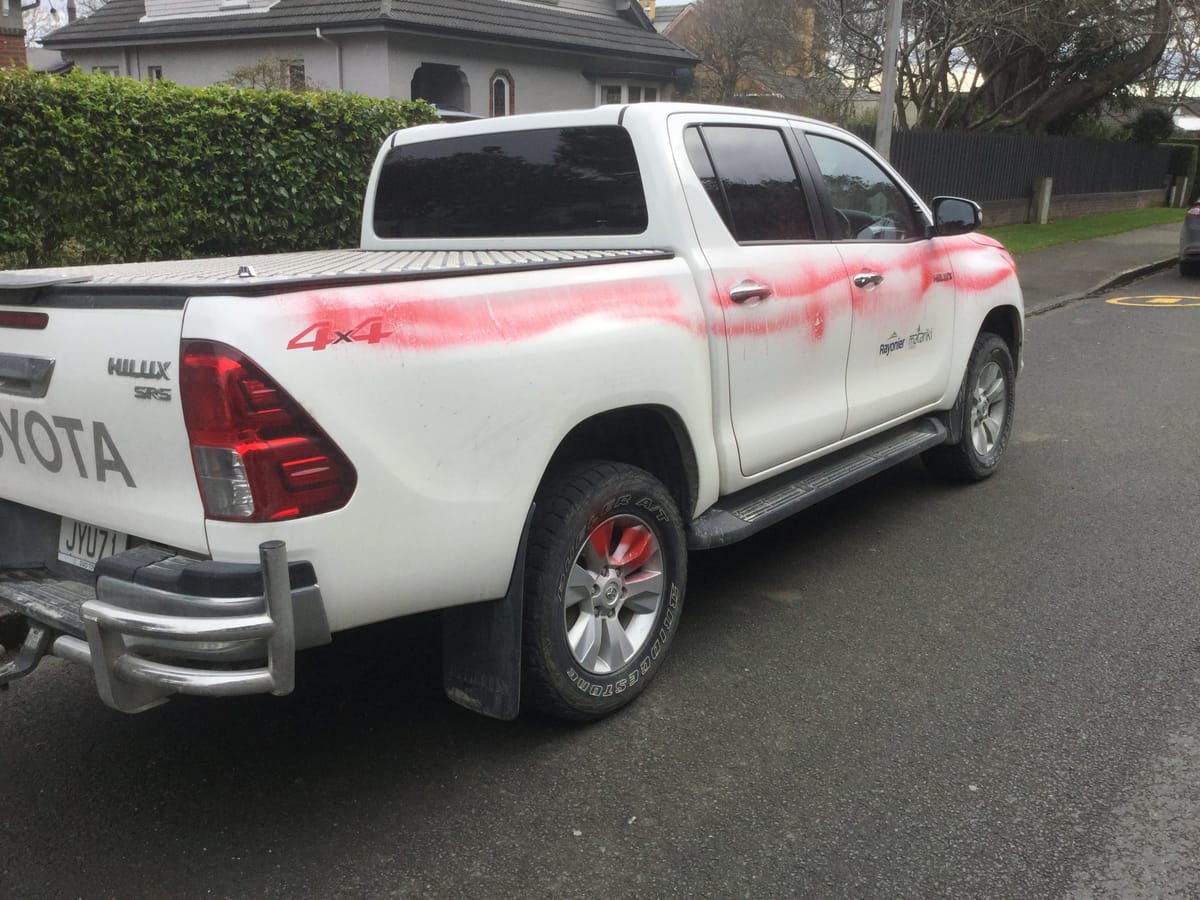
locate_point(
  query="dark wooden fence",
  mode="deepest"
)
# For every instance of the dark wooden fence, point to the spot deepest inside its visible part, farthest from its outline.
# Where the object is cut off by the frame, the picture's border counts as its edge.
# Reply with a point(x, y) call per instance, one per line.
point(986, 166)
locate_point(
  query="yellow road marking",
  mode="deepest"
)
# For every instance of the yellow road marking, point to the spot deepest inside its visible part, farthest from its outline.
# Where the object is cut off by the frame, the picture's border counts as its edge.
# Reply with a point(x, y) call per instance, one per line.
point(1152, 301)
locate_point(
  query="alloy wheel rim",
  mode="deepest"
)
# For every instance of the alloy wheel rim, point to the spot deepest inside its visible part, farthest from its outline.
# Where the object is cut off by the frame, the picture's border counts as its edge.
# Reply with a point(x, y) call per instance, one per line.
point(614, 593)
point(989, 408)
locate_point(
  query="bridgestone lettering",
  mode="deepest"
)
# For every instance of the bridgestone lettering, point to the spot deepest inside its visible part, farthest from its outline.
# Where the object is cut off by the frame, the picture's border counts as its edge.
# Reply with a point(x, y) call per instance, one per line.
point(34, 439)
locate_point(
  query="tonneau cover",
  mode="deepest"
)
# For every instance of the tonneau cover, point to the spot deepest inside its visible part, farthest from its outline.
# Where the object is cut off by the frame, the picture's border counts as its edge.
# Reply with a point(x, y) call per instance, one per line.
point(268, 271)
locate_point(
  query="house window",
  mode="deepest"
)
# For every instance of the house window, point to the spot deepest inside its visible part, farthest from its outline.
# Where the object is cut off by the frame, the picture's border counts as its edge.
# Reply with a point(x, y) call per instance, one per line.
point(293, 74)
point(503, 101)
point(4, 7)
point(154, 73)
point(627, 93)
point(106, 70)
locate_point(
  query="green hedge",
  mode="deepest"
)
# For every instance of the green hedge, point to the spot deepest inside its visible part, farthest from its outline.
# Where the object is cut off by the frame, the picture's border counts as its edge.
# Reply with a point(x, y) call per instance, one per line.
point(101, 169)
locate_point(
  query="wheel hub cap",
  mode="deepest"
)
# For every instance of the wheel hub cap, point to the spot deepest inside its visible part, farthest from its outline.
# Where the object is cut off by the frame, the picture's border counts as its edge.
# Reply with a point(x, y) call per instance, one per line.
point(612, 592)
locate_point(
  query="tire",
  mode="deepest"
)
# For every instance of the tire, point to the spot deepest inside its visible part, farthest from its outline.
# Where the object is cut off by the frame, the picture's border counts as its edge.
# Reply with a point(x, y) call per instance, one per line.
point(598, 622)
point(987, 400)
point(1189, 268)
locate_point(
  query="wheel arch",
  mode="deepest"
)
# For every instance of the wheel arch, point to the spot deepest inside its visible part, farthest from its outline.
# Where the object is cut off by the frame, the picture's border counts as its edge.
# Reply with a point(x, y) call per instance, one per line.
point(653, 438)
point(1005, 322)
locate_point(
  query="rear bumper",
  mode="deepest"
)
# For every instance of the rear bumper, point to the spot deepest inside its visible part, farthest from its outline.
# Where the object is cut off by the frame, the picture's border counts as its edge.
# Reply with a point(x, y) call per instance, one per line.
point(156, 625)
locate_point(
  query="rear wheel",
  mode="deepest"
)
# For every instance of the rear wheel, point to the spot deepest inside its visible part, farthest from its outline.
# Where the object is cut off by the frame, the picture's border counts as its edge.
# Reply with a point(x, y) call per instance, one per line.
point(987, 400)
point(1189, 268)
point(604, 586)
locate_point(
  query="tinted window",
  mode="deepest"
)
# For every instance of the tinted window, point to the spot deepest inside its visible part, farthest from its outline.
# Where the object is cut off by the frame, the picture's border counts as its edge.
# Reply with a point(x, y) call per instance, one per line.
point(867, 203)
point(749, 176)
point(698, 156)
point(560, 181)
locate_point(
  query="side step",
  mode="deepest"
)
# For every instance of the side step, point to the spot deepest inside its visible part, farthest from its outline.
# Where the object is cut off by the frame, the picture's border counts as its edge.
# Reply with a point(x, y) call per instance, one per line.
point(747, 512)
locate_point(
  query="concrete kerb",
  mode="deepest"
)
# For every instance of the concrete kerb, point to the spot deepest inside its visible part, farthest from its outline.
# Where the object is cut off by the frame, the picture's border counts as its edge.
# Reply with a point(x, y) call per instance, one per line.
point(1108, 284)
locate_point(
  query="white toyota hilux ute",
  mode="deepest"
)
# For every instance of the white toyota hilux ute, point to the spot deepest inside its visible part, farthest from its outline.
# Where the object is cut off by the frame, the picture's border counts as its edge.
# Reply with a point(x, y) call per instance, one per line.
point(572, 348)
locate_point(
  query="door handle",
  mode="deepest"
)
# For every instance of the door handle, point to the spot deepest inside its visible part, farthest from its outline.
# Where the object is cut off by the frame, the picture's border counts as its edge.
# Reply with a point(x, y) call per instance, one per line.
point(749, 290)
point(868, 280)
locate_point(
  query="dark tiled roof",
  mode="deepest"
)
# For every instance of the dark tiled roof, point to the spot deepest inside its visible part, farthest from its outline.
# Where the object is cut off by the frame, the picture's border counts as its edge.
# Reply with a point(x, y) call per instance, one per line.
point(519, 24)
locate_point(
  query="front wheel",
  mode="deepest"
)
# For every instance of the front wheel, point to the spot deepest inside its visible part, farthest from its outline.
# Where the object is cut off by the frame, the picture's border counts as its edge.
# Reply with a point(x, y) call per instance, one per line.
point(604, 584)
point(986, 400)
point(1189, 268)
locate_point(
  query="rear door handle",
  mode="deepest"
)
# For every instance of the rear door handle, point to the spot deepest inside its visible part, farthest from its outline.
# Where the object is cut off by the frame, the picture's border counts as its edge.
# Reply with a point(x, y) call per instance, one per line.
point(749, 290)
point(868, 280)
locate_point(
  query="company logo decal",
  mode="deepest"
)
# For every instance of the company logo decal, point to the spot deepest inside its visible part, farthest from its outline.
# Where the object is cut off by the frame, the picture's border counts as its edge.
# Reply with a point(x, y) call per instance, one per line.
point(895, 343)
point(891, 345)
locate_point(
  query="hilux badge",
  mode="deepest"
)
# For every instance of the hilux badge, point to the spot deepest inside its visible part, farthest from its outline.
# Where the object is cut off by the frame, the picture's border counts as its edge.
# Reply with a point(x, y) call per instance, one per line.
point(139, 368)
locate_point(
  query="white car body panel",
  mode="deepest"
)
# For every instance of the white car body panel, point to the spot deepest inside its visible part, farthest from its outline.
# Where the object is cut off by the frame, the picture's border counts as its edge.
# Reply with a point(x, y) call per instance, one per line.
point(451, 421)
point(107, 457)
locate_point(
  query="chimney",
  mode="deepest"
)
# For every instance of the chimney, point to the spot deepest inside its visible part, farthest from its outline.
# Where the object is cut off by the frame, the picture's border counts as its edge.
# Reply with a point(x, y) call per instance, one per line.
point(12, 34)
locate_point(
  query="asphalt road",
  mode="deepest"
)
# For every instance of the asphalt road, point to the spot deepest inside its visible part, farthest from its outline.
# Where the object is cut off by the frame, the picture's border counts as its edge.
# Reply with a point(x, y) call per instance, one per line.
point(915, 690)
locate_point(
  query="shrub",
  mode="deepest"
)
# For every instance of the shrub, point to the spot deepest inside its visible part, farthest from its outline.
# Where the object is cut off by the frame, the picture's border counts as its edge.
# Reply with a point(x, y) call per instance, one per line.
point(101, 169)
point(1152, 126)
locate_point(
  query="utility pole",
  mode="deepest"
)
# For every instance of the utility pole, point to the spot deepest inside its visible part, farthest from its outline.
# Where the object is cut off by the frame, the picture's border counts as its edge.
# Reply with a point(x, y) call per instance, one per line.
point(887, 97)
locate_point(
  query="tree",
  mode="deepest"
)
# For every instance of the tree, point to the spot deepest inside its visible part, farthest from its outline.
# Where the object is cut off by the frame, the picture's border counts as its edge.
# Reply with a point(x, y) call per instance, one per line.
point(46, 16)
point(1176, 76)
point(739, 39)
point(271, 73)
point(1037, 65)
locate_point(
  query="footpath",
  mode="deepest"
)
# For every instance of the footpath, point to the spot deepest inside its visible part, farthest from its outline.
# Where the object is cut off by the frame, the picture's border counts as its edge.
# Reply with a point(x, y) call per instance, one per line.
point(1058, 275)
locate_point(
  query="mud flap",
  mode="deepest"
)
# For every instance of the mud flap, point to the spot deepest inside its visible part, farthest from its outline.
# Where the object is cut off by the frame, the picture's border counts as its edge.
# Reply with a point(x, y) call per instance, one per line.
point(481, 647)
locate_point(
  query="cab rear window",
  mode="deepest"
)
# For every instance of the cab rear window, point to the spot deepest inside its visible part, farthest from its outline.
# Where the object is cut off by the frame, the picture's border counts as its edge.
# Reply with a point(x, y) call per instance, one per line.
point(549, 181)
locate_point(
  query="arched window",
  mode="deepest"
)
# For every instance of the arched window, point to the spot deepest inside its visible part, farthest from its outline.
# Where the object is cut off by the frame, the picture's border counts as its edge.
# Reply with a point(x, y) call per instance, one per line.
point(503, 99)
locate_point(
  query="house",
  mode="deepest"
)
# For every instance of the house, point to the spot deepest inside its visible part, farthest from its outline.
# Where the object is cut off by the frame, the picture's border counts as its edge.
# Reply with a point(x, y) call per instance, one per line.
point(667, 18)
point(12, 34)
point(483, 57)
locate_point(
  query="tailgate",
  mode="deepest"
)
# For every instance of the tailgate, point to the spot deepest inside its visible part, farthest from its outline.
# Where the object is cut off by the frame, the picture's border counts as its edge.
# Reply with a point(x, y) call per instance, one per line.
point(91, 427)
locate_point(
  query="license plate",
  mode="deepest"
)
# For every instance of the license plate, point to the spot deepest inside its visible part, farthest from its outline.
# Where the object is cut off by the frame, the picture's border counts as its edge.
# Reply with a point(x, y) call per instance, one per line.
point(84, 545)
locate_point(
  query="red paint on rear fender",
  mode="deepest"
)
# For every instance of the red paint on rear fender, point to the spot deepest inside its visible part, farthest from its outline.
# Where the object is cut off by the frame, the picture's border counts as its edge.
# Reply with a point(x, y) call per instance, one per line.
point(418, 322)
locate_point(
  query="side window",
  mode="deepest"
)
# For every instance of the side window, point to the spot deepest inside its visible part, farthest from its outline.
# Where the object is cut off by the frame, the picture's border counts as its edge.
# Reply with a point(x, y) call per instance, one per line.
point(749, 176)
point(867, 203)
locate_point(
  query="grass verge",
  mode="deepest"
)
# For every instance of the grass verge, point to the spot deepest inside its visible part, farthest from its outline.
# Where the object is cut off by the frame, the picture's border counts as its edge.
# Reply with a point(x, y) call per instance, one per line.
point(1027, 238)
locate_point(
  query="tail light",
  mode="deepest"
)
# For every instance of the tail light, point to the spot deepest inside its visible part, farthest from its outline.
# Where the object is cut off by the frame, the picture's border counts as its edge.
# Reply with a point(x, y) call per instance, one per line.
point(1194, 210)
point(31, 320)
point(259, 456)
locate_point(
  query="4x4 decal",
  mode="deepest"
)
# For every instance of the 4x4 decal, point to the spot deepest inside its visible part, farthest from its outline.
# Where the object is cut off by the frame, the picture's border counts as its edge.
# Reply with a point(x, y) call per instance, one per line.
point(320, 335)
